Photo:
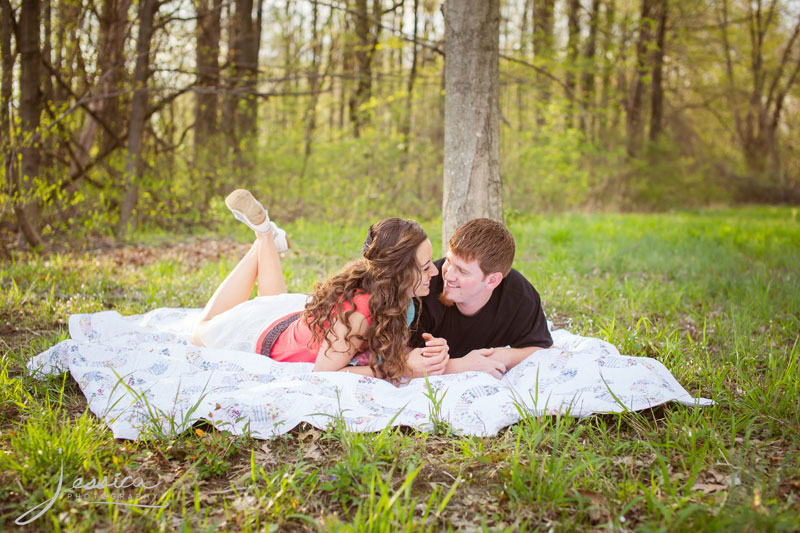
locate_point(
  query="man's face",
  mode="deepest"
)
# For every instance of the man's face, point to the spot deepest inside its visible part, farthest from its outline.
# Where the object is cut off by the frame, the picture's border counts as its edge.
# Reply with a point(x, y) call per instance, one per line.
point(464, 281)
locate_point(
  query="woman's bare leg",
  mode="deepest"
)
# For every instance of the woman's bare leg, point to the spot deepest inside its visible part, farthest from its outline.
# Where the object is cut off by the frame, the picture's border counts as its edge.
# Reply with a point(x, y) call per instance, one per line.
point(269, 275)
point(260, 264)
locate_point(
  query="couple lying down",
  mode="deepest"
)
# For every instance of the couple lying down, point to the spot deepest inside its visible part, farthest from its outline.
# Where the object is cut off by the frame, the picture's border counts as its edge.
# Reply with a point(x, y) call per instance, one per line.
point(394, 314)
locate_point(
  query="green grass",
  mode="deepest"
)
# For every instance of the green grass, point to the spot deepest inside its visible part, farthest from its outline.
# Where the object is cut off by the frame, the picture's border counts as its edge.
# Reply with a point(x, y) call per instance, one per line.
point(713, 294)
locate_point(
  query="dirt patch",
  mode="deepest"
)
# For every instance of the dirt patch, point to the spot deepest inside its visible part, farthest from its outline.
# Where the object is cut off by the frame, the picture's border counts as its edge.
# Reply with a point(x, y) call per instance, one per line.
point(191, 252)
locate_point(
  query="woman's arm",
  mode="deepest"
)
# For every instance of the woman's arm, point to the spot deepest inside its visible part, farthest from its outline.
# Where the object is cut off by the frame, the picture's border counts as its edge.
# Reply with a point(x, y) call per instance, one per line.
point(336, 353)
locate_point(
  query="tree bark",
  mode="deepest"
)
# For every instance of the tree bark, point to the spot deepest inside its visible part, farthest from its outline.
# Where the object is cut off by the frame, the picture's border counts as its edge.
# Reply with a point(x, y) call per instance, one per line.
point(635, 121)
point(405, 128)
point(107, 105)
point(472, 186)
point(134, 164)
point(246, 67)
point(587, 84)
point(758, 119)
point(657, 84)
point(7, 80)
point(313, 86)
point(7, 24)
point(367, 28)
point(543, 24)
point(608, 40)
point(573, 24)
point(207, 95)
point(30, 113)
point(240, 117)
point(523, 51)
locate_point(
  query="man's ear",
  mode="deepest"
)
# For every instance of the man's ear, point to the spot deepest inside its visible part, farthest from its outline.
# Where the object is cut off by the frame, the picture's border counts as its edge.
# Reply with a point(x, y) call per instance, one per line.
point(494, 280)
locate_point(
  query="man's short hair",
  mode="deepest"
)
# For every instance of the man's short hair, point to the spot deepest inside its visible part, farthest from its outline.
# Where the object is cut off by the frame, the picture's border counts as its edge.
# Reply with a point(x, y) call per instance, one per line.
point(486, 240)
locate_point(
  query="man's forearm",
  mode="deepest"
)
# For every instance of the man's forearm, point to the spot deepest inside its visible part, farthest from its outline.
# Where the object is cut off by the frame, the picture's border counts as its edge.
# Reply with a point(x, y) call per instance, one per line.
point(511, 357)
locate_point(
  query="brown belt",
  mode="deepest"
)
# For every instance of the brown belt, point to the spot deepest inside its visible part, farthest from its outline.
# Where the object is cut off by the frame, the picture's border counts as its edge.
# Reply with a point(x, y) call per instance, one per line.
point(274, 332)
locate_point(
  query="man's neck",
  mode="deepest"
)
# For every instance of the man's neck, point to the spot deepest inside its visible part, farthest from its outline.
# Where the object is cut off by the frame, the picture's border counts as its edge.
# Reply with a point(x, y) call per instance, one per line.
point(472, 308)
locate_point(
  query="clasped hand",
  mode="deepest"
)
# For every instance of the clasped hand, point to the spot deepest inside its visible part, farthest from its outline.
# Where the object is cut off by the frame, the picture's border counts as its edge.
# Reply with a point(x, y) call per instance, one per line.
point(431, 359)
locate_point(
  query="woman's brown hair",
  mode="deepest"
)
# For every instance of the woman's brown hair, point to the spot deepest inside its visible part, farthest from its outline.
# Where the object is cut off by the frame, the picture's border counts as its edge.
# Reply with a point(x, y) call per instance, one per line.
point(387, 271)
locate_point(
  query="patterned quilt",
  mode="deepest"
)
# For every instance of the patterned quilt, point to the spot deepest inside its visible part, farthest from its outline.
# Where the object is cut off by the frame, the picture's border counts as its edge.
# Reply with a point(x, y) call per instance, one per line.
point(141, 375)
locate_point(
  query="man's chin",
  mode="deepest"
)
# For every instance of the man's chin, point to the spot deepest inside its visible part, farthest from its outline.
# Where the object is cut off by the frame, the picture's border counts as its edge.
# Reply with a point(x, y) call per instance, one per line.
point(447, 302)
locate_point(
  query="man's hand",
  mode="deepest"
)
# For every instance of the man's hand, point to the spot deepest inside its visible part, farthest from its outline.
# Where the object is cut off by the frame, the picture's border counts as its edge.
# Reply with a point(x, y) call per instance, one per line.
point(432, 359)
point(480, 360)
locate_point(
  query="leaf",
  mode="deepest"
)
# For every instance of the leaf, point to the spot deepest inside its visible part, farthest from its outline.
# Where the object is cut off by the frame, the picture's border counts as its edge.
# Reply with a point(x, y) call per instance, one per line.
point(708, 488)
point(313, 453)
point(598, 508)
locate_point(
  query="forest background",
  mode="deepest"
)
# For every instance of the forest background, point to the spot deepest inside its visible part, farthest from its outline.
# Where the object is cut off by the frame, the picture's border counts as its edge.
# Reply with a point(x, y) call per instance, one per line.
point(119, 114)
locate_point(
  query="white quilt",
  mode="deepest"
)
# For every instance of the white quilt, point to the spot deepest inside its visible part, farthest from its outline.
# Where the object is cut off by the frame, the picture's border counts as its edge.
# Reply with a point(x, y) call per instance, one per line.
point(140, 372)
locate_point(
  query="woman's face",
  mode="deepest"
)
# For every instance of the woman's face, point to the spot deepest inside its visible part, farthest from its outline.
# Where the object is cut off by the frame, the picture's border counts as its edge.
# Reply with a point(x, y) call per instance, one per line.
point(427, 270)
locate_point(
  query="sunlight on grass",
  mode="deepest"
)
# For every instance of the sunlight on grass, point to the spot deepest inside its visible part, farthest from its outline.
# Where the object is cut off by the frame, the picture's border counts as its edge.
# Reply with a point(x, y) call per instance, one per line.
point(712, 294)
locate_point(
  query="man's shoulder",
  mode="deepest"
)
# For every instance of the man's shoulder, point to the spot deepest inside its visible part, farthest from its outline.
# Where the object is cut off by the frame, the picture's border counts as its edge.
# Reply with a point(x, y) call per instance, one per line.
point(516, 279)
point(516, 288)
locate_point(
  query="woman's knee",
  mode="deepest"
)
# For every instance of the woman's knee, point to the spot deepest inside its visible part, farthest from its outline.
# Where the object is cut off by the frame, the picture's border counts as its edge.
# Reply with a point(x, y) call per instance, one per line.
point(197, 333)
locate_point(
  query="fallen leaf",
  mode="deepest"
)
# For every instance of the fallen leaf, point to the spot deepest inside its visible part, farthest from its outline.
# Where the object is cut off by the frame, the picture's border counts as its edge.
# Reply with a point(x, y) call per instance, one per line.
point(312, 452)
point(312, 433)
point(708, 488)
point(598, 508)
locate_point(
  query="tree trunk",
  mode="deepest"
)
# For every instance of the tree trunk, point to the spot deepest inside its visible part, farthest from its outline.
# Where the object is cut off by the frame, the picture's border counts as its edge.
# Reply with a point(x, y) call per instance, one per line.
point(6, 91)
point(207, 96)
point(7, 80)
point(573, 24)
point(134, 164)
point(635, 121)
point(367, 40)
point(608, 64)
point(106, 106)
point(30, 112)
point(587, 85)
point(523, 52)
point(313, 86)
point(246, 68)
point(47, 49)
point(657, 88)
point(112, 108)
point(543, 23)
point(472, 186)
point(230, 98)
point(759, 118)
point(405, 128)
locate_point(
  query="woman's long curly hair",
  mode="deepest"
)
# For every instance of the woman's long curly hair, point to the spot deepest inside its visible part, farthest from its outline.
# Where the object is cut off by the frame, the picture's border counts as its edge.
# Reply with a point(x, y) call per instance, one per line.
point(387, 271)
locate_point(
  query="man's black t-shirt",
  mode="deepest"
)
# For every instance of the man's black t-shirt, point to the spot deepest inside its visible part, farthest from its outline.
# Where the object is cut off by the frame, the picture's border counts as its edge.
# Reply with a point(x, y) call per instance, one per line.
point(513, 316)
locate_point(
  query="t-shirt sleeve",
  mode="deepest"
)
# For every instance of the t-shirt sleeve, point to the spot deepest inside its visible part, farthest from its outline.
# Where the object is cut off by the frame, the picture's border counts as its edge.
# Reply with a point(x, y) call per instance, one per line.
point(530, 321)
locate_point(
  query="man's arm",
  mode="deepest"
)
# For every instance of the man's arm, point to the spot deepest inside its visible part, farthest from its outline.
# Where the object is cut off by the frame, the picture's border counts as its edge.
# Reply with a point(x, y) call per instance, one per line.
point(511, 357)
point(477, 360)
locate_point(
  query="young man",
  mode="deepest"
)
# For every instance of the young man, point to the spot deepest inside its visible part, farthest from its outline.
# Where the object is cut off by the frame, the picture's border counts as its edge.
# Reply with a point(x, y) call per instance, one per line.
point(490, 315)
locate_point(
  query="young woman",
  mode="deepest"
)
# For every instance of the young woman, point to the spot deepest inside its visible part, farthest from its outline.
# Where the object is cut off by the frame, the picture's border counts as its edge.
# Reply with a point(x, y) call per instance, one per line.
point(356, 321)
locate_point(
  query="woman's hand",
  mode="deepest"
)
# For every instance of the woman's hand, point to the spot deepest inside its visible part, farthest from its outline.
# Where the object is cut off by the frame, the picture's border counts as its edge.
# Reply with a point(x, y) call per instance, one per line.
point(432, 359)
